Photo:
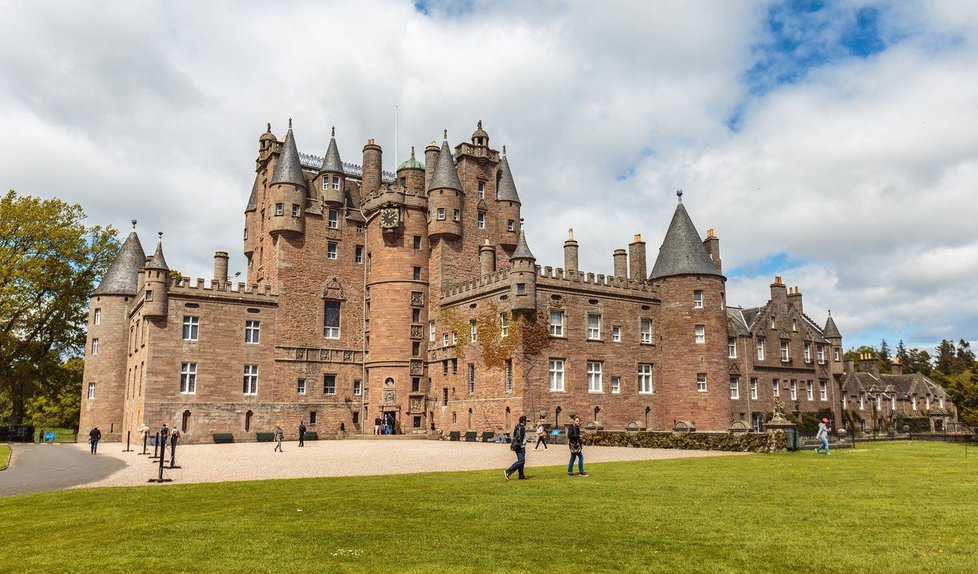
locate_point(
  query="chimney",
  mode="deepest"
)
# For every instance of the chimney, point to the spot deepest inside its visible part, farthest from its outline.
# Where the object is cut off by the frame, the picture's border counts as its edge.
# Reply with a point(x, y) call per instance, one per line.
point(372, 158)
point(621, 263)
point(794, 298)
point(637, 262)
point(869, 364)
point(430, 159)
point(779, 293)
point(487, 258)
point(712, 244)
point(221, 267)
point(896, 368)
point(570, 252)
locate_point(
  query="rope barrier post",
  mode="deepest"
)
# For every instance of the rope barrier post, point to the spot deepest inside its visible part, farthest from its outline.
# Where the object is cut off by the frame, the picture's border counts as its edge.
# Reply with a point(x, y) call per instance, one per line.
point(128, 433)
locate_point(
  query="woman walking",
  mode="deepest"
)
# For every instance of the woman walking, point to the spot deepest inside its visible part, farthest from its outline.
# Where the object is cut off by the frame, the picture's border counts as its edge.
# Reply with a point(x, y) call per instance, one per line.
point(519, 447)
point(576, 448)
point(541, 437)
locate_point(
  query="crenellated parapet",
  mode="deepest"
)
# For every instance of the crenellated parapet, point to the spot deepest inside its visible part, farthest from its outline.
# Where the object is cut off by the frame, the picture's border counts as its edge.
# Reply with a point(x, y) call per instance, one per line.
point(204, 288)
point(393, 194)
point(475, 288)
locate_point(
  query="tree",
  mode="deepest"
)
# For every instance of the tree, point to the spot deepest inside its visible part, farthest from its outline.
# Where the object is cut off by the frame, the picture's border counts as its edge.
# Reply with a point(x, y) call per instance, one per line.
point(964, 395)
point(886, 361)
point(49, 261)
point(946, 353)
point(964, 359)
point(916, 361)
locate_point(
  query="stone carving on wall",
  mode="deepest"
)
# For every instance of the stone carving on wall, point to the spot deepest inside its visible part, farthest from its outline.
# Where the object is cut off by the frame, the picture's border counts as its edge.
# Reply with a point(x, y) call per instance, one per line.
point(417, 298)
point(333, 290)
point(416, 332)
point(389, 396)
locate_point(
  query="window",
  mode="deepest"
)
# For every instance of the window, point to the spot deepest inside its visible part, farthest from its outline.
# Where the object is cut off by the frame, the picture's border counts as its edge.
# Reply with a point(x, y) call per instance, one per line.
point(252, 332)
point(734, 388)
point(697, 299)
point(510, 225)
point(415, 315)
point(784, 352)
point(508, 369)
point(358, 255)
point(331, 319)
point(336, 182)
point(473, 331)
point(416, 274)
point(444, 396)
point(913, 401)
point(358, 388)
point(279, 209)
point(471, 379)
point(521, 288)
point(615, 385)
point(645, 331)
point(325, 182)
point(91, 390)
point(97, 317)
point(835, 355)
point(300, 387)
point(333, 219)
point(95, 346)
point(823, 390)
point(731, 347)
point(417, 243)
point(700, 334)
point(753, 388)
point(772, 321)
point(444, 339)
point(329, 384)
point(191, 328)
point(616, 334)
point(456, 215)
point(793, 388)
point(312, 417)
point(415, 348)
point(760, 348)
point(794, 325)
point(810, 391)
point(359, 229)
point(149, 295)
point(862, 399)
point(330, 250)
point(808, 352)
point(879, 402)
point(454, 338)
point(940, 402)
point(250, 380)
point(431, 331)
point(594, 327)
point(594, 384)
point(246, 233)
point(557, 323)
point(556, 373)
point(701, 382)
point(188, 378)
point(644, 379)
point(775, 388)
point(295, 210)
point(441, 214)
point(482, 190)
point(480, 221)
point(820, 353)
point(503, 325)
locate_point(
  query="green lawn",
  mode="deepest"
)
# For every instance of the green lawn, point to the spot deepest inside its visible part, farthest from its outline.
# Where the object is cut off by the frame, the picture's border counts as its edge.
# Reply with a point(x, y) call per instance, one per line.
point(887, 507)
point(4, 456)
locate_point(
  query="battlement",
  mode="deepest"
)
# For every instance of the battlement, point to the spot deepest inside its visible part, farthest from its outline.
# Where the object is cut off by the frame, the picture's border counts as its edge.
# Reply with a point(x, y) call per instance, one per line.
point(474, 287)
point(397, 194)
point(558, 278)
point(201, 287)
point(314, 162)
point(479, 151)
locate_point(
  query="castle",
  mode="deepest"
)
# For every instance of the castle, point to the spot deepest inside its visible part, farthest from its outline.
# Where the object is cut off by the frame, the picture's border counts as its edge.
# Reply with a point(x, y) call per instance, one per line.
point(413, 297)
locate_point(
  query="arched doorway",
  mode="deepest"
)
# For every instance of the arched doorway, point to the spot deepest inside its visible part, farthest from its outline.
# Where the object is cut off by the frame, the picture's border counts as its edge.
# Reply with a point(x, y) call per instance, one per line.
point(248, 416)
point(185, 423)
point(508, 420)
point(470, 420)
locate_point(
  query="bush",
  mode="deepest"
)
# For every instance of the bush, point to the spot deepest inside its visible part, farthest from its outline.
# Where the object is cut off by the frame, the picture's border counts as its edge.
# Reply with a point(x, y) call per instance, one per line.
point(916, 424)
point(750, 442)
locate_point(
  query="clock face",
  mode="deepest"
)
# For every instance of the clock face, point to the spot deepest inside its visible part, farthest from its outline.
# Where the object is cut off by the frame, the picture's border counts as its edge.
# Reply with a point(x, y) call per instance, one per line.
point(389, 217)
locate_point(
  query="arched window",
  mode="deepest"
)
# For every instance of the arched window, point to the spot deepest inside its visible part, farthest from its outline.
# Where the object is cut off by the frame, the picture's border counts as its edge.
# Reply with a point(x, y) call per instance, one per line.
point(470, 420)
point(509, 420)
point(248, 416)
point(185, 424)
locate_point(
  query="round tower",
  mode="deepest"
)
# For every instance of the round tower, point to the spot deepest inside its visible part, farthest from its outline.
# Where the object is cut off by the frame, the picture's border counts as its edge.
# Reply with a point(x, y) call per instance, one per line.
point(287, 192)
point(411, 174)
point(156, 282)
point(372, 168)
point(332, 179)
point(430, 159)
point(507, 205)
point(523, 278)
point(445, 197)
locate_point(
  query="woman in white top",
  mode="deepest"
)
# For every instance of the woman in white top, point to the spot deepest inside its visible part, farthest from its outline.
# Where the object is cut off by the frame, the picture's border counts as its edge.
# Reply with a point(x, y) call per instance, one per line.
point(541, 437)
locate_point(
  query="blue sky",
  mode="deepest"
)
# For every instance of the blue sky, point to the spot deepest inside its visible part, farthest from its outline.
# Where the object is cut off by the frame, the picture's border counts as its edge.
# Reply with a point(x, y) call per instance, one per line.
point(830, 143)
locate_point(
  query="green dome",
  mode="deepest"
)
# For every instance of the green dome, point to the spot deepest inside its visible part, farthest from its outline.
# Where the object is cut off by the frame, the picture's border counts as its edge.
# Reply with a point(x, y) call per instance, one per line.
point(411, 163)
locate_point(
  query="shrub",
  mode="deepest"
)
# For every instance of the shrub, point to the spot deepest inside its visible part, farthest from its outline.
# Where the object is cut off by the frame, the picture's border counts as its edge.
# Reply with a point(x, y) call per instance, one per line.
point(750, 442)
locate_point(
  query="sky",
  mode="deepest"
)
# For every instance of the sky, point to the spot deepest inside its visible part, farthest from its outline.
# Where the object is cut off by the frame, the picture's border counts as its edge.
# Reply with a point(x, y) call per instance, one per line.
point(830, 143)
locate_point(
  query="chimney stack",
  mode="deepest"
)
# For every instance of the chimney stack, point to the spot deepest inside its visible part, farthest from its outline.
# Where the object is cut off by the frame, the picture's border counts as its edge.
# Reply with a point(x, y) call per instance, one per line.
point(621, 263)
point(794, 298)
point(487, 258)
point(869, 364)
point(896, 368)
point(570, 252)
point(637, 261)
point(712, 244)
point(372, 166)
point(221, 267)
point(779, 293)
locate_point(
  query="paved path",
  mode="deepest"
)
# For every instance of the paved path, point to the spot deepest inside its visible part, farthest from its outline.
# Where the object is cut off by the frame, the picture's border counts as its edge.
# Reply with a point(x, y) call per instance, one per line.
point(54, 466)
point(257, 461)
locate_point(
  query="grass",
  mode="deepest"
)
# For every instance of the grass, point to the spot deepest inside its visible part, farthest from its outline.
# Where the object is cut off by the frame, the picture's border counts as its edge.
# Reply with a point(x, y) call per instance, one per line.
point(4, 456)
point(887, 507)
point(61, 434)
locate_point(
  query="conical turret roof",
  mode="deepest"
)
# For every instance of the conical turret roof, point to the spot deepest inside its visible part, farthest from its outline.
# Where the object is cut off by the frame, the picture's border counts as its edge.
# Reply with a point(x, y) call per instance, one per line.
point(682, 251)
point(253, 198)
point(332, 160)
point(522, 251)
point(157, 261)
point(123, 274)
point(506, 191)
point(445, 176)
point(830, 329)
point(288, 169)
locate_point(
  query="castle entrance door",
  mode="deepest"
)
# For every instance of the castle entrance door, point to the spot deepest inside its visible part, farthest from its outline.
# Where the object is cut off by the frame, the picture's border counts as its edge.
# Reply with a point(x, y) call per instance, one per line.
point(389, 421)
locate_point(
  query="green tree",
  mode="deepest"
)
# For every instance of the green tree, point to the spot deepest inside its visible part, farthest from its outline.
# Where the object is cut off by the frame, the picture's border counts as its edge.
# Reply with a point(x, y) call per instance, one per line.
point(886, 360)
point(916, 361)
point(964, 359)
point(49, 260)
point(944, 360)
point(964, 394)
point(56, 403)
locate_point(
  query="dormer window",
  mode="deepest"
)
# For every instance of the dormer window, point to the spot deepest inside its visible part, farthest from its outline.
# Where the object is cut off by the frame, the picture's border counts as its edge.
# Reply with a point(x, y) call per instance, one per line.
point(794, 325)
point(772, 321)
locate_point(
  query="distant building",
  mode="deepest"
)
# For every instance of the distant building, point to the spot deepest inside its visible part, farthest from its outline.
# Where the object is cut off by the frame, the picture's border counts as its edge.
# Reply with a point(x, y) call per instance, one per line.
point(367, 293)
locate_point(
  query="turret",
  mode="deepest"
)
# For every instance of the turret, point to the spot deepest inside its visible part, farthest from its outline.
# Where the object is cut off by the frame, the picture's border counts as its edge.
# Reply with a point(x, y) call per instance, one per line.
point(331, 175)
point(523, 278)
point(221, 268)
point(487, 258)
point(287, 193)
point(156, 282)
point(411, 174)
point(479, 137)
point(570, 252)
point(834, 337)
point(266, 146)
point(372, 168)
point(507, 204)
point(251, 221)
point(621, 263)
point(445, 197)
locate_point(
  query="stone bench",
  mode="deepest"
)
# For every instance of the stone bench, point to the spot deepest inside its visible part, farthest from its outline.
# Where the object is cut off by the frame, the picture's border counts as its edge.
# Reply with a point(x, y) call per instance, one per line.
point(223, 437)
point(487, 436)
point(454, 435)
point(470, 436)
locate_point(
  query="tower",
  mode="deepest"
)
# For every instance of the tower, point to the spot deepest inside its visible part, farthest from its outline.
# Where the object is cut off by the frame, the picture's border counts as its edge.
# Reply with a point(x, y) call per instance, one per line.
point(445, 197)
point(690, 379)
point(523, 278)
point(287, 192)
point(508, 204)
point(332, 178)
point(156, 282)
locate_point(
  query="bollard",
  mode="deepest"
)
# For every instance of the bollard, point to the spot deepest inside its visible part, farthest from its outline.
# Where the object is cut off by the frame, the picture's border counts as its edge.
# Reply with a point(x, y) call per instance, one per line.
point(173, 451)
point(156, 447)
point(128, 433)
point(145, 439)
point(160, 477)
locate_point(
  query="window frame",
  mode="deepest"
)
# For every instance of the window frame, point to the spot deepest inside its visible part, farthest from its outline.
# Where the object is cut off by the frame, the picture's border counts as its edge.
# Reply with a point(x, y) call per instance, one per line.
point(556, 329)
point(188, 378)
point(191, 328)
point(330, 331)
point(329, 384)
point(595, 377)
point(594, 332)
point(701, 383)
point(252, 332)
point(646, 386)
point(249, 381)
point(555, 375)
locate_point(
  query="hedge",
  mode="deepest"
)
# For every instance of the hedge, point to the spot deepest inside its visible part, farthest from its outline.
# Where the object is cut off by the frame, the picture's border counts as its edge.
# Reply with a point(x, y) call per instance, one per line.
point(750, 442)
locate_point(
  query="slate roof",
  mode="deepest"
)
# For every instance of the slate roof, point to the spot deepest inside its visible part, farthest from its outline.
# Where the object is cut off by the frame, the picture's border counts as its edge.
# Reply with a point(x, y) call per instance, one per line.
point(736, 322)
point(522, 251)
point(157, 261)
point(682, 251)
point(830, 329)
point(445, 176)
point(289, 169)
point(253, 198)
point(332, 162)
point(506, 191)
point(123, 274)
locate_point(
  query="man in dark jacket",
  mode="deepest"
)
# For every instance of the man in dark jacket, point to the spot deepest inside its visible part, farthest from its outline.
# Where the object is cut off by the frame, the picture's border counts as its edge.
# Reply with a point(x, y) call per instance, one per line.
point(302, 434)
point(576, 448)
point(94, 436)
point(519, 447)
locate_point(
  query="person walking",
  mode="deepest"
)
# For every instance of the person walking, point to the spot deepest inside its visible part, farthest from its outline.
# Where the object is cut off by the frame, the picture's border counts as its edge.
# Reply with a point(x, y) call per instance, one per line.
point(576, 448)
point(823, 435)
point(377, 426)
point(278, 439)
point(94, 436)
point(302, 434)
point(518, 445)
point(541, 437)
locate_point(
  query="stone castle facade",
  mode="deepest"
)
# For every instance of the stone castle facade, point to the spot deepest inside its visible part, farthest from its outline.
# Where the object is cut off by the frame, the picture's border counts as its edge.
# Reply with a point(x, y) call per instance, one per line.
point(413, 297)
